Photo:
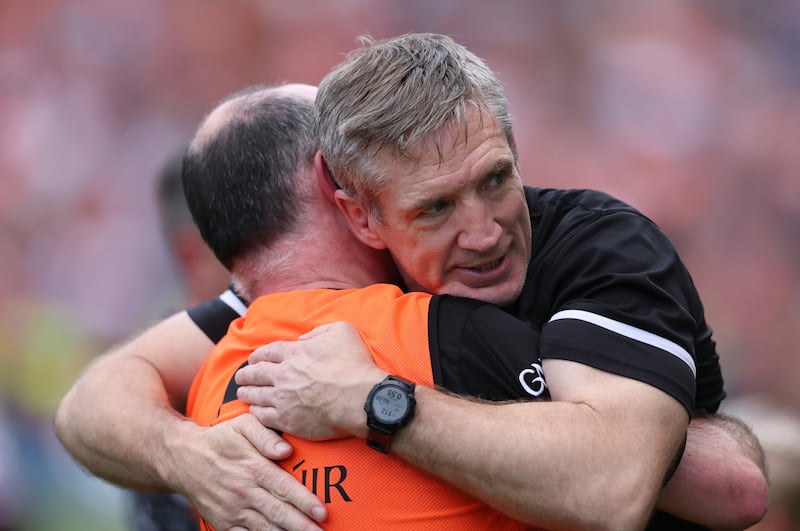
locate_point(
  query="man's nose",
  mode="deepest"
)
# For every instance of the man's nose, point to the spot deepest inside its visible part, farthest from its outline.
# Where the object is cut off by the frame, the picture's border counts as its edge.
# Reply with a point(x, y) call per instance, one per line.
point(479, 230)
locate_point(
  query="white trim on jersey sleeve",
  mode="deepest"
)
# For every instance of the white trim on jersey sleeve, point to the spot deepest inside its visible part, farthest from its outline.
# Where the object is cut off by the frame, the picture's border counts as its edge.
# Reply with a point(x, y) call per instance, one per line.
point(631, 332)
point(234, 302)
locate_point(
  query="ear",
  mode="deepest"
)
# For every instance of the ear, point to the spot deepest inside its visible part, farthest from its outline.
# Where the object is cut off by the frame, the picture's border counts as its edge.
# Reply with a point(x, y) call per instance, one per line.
point(359, 220)
point(324, 178)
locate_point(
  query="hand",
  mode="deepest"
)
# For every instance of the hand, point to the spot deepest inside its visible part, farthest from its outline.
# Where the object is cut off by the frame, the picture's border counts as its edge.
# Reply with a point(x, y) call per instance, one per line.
point(226, 472)
point(314, 387)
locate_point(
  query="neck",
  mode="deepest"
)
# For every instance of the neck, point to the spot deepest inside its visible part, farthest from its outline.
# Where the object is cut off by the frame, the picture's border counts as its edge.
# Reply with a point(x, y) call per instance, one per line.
point(321, 253)
point(313, 263)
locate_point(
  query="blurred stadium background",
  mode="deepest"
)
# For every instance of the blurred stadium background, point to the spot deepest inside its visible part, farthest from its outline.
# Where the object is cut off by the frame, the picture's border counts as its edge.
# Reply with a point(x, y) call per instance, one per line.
point(689, 110)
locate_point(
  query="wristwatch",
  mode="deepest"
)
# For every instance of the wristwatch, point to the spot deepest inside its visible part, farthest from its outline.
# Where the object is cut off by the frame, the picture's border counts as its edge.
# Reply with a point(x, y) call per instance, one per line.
point(389, 406)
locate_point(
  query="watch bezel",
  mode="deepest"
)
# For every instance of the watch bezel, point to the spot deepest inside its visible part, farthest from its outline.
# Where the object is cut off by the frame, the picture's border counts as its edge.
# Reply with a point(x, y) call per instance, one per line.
point(380, 432)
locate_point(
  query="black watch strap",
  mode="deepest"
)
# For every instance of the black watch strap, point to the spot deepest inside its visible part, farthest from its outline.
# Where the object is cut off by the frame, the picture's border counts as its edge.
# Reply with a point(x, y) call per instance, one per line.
point(379, 441)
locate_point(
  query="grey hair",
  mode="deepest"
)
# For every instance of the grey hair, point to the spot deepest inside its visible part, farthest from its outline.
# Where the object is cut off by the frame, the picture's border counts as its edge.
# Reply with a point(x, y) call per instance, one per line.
point(390, 96)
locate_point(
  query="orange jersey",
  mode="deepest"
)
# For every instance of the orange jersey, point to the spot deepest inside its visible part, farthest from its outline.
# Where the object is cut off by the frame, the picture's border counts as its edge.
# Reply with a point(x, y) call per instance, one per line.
point(362, 488)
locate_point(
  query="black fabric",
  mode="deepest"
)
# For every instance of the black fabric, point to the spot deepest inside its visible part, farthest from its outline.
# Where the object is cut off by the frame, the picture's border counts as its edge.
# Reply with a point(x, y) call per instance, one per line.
point(213, 318)
point(575, 340)
point(594, 253)
point(230, 391)
point(479, 350)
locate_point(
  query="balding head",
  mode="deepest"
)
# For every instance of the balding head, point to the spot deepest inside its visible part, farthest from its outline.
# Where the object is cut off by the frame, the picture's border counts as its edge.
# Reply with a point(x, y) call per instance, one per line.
point(253, 189)
point(243, 171)
point(239, 106)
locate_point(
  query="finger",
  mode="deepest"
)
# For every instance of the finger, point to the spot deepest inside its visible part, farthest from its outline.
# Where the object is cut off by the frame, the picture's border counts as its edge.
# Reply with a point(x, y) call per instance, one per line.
point(275, 515)
point(258, 395)
point(255, 374)
point(264, 520)
point(291, 504)
point(268, 442)
point(269, 352)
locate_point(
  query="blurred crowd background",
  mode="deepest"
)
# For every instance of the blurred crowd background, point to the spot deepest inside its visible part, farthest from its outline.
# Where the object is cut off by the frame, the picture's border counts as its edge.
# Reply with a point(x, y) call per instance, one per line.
point(689, 110)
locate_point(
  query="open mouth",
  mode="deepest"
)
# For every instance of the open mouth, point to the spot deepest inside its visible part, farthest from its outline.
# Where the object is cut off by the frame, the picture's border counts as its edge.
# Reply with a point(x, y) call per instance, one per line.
point(487, 267)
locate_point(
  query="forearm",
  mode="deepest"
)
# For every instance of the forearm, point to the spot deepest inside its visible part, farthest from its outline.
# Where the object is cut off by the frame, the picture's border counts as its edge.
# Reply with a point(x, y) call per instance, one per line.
point(121, 421)
point(721, 480)
point(593, 458)
point(555, 465)
point(115, 422)
point(121, 417)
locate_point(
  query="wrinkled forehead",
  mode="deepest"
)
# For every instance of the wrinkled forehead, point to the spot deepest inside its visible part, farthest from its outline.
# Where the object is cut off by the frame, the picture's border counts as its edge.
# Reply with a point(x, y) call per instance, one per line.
point(456, 137)
point(443, 165)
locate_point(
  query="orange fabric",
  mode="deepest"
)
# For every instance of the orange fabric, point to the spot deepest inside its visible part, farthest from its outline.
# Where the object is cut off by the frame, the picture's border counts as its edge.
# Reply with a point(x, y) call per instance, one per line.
point(363, 489)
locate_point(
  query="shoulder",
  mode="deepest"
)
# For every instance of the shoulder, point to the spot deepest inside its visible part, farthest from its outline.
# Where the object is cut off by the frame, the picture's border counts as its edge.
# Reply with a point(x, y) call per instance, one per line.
point(213, 316)
point(479, 350)
point(582, 221)
point(542, 200)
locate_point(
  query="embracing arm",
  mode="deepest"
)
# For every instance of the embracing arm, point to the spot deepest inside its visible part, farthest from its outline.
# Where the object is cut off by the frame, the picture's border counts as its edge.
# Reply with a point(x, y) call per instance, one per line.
point(594, 459)
point(121, 421)
point(721, 481)
point(115, 417)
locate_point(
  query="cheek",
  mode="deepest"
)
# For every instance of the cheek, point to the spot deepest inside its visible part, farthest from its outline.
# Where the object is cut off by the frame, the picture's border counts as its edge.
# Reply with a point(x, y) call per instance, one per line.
point(425, 262)
point(422, 258)
point(425, 255)
point(518, 218)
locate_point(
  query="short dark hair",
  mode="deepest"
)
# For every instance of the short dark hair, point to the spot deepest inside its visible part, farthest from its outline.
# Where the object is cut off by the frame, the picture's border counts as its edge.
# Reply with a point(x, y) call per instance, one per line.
point(239, 182)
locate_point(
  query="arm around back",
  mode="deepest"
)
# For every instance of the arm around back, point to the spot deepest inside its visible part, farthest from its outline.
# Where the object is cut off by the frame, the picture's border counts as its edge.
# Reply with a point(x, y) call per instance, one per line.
point(721, 481)
point(594, 458)
point(114, 418)
point(122, 421)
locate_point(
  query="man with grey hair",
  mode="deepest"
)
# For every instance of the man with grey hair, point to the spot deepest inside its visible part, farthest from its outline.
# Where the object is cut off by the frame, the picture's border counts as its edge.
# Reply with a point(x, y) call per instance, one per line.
point(415, 131)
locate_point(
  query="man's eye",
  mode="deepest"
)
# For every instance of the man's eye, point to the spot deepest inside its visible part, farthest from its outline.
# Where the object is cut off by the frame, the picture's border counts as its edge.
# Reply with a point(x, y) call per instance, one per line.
point(435, 209)
point(495, 180)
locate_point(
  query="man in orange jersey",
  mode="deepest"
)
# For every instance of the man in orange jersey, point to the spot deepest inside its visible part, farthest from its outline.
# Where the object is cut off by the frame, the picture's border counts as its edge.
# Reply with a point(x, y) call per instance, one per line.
point(361, 487)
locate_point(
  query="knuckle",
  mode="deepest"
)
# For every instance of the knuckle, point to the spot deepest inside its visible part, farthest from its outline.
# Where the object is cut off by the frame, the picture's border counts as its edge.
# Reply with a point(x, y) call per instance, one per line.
point(276, 512)
point(282, 487)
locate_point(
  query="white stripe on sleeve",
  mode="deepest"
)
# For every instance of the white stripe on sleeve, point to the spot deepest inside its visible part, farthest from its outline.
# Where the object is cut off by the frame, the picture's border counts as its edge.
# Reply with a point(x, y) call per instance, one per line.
point(631, 332)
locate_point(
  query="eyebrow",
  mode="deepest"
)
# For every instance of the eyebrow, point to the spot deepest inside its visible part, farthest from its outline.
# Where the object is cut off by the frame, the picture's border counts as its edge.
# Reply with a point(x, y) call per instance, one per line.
point(502, 166)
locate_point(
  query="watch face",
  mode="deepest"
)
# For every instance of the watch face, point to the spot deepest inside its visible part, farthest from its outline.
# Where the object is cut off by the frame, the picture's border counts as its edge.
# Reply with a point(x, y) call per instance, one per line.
point(389, 404)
